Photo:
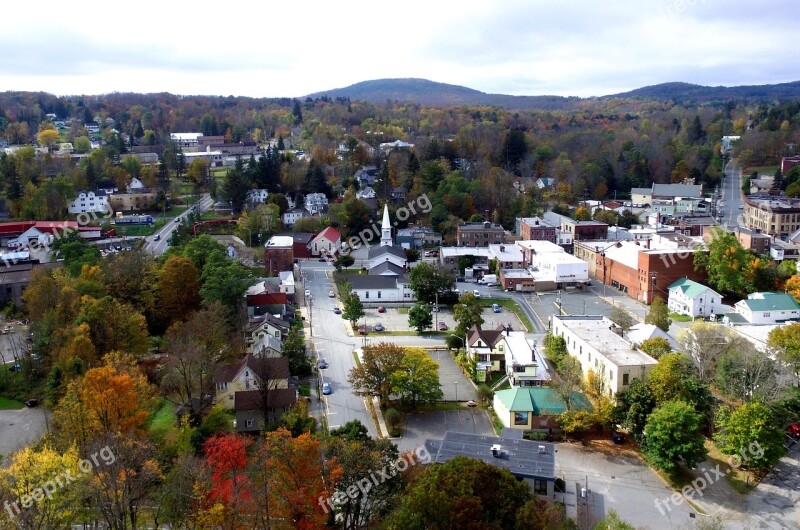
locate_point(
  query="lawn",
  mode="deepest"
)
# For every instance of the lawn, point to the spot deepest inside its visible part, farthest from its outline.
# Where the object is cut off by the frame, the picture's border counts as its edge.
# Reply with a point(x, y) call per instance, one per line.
point(163, 421)
point(680, 318)
point(762, 170)
point(509, 305)
point(10, 404)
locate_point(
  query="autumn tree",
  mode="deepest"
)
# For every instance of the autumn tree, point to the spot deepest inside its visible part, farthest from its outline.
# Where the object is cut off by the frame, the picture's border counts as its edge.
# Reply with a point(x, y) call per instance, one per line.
point(622, 318)
point(194, 349)
point(785, 342)
point(48, 138)
point(178, 289)
point(230, 495)
point(725, 263)
point(427, 279)
point(197, 171)
point(655, 347)
point(30, 469)
point(114, 326)
point(373, 376)
point(416, 379)
point(461, 493)
point(292, 478)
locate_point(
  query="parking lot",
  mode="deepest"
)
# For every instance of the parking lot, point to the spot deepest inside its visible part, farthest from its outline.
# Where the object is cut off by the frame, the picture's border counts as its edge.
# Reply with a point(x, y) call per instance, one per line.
point(420, 426)
point(394, 320)
point(19, 428)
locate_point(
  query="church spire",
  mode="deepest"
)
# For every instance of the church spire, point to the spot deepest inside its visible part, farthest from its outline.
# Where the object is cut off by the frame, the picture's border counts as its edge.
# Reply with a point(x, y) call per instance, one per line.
point(386, 228)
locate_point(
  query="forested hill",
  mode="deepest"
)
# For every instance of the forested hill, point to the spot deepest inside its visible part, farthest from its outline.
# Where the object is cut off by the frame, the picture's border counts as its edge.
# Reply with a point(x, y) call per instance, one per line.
point(689, 94)
point(431, 93)
point(425, 92)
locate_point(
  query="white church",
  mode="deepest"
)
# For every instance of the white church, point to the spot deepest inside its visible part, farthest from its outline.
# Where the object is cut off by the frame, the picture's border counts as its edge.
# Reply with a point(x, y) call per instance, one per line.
point(387, 280)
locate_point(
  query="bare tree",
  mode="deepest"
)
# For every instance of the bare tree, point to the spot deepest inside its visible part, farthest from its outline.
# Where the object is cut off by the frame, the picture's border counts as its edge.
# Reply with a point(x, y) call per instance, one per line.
point(568, 380)
point(194, 348)
point(706, 343)
point(268, 373)
point(748, 374)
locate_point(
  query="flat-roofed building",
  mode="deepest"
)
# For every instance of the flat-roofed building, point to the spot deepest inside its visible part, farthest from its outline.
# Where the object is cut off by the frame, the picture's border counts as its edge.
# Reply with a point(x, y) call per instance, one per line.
point(773, 215)
point(479, 234)
point(595, 343)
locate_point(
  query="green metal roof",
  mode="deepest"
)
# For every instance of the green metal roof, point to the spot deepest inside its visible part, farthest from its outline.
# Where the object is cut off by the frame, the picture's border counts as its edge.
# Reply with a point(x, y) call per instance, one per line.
point(772, 302)
point(689, 287)
point(541, 400)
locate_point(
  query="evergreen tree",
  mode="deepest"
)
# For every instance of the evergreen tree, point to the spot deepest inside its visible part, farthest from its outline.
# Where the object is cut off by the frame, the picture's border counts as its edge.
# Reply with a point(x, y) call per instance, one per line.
point(297, 112)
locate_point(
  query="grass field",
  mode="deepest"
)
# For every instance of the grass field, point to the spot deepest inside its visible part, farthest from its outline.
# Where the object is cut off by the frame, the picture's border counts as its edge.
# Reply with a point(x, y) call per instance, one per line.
point(10, 404)
point(762, 170)
point(163, 420)
point(680, 318)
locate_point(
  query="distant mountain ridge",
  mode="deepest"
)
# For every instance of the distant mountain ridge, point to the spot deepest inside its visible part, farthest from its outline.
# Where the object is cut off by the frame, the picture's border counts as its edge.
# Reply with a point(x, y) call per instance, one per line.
point(426, 92)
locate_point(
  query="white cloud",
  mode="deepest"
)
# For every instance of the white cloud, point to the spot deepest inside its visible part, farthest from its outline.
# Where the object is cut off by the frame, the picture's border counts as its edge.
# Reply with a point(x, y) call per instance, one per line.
point(579, 47)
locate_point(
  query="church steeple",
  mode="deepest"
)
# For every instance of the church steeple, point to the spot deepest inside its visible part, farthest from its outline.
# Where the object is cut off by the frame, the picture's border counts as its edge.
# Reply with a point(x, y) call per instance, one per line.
point(386, 228)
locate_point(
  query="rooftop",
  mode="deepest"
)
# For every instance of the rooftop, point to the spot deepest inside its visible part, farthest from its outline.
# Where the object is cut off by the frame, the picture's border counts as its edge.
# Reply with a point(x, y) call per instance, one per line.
point(519, 274)
point(480, 226)
point(358, 281)
point(540, 247)
point(690, 288)
point(521, 457)
point(505, 253)
point(280, 241)
point(678, 190)
point(542, 400)
point(452, 252)
point(596, 331)
point(768, 301)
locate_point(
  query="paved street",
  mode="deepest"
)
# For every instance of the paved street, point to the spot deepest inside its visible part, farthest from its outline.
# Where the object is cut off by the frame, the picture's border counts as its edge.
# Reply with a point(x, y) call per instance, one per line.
point(731, 195)
point(157, 248)
point(19, 428)
point(332, 343)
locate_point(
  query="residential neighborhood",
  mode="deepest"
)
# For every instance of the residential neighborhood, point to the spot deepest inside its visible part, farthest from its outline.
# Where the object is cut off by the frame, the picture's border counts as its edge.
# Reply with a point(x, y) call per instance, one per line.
point(257, 306)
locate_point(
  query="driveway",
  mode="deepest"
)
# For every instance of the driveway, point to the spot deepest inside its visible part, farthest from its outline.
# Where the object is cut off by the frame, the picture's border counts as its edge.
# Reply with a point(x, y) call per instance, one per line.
point(20, 428)
point(455, 385)
point(420, 426)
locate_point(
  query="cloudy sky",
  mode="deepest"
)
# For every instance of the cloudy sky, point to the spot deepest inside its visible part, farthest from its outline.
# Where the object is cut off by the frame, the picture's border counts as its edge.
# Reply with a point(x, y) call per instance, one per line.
point(519, 47)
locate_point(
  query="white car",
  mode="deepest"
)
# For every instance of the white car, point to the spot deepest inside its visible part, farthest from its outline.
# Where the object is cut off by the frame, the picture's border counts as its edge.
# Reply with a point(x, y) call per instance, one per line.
point(331, 294)
point(476, 293)
point(308, 293)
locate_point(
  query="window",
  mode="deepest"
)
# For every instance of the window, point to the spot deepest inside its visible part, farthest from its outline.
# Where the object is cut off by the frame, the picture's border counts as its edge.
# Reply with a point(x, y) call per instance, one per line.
point(521, 418)
point(379, 294)
point(540, 487)
point(366, 295)
point(249, 423)
point(766, 314)
point(624, 379)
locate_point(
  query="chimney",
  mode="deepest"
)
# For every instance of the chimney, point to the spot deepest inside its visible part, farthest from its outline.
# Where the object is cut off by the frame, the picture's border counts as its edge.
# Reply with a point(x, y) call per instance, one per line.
point(502, 248)
point(487, 224)
point(647, 243)
point(536, 222)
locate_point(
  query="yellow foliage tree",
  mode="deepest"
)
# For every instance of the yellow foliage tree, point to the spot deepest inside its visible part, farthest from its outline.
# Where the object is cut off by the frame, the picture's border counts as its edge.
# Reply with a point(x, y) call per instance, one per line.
point(48, 138)
point(41, 488)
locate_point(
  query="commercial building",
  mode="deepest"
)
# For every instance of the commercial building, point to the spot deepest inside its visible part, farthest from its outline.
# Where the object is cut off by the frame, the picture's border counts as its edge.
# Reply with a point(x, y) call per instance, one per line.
point(534, 408)
point(642, 196)
point(278, 255)
point(773, 215)
point(753, 240)
point(418, 237)
point(508, 256)
point(551, 266)
point(535, 228)
point(595, 343)
point(516, 280)
point(90, 201)
point(479, 234)
point(642, 272)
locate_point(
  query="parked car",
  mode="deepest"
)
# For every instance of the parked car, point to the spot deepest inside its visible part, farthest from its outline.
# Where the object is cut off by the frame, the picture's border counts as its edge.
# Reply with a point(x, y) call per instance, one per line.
point(618, 438)
point(308, 293)
point(476, 293)
point(793, 430)
point(323, 260)
point(442, 326)
point(471, 403)
point(435, 309)
point(381, 309)
point(32, 403)
point(322, 364)
point(6, 330)
point(331, 294)
point(15, 367)
point(157, 237)
point(378, 326)
point(362, 330)
point(495, 308)
point(177, 219)
point(337, 310)
point(326, 389)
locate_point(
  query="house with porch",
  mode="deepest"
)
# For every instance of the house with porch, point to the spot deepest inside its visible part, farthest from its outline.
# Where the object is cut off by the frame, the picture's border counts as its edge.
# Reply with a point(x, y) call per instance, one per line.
point(691, 298)
point(246, 375)
point(764, 308)
point(534, 408)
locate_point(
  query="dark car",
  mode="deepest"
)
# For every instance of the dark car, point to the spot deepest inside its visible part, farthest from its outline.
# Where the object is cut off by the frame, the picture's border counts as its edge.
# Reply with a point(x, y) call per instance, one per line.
point(326, 388)
point(157, 238)
point(322, 364)
point(378, 326)
point(15, 367)
point(442, 326)
point(32, 403)
point(337, 311)
point(618, 438)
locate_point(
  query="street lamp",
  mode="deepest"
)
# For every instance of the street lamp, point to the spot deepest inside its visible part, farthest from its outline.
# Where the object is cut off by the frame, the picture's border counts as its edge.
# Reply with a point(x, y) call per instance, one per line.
point(311, 316)
point(456, 383)
point(558, 302)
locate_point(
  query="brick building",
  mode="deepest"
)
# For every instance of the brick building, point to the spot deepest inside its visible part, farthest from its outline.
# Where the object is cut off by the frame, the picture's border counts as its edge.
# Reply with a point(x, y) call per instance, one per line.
point(643, 273)
point(479, 234)
point(753, 239)
point(536, 229)
point(278, 255)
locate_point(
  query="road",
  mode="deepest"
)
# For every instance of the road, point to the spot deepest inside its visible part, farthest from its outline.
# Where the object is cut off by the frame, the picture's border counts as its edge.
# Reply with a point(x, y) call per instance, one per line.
point(731, 195)
point(333, 344)
point(158, 247)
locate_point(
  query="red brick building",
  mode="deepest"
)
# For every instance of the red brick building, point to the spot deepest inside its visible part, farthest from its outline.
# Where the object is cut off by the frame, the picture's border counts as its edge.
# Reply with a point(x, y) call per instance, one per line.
point(535, 229)
point(644, 273)
point(278, 255)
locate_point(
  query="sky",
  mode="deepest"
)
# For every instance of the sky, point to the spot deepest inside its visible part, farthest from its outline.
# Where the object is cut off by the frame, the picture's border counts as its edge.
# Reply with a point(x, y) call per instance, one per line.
point(290, 49)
